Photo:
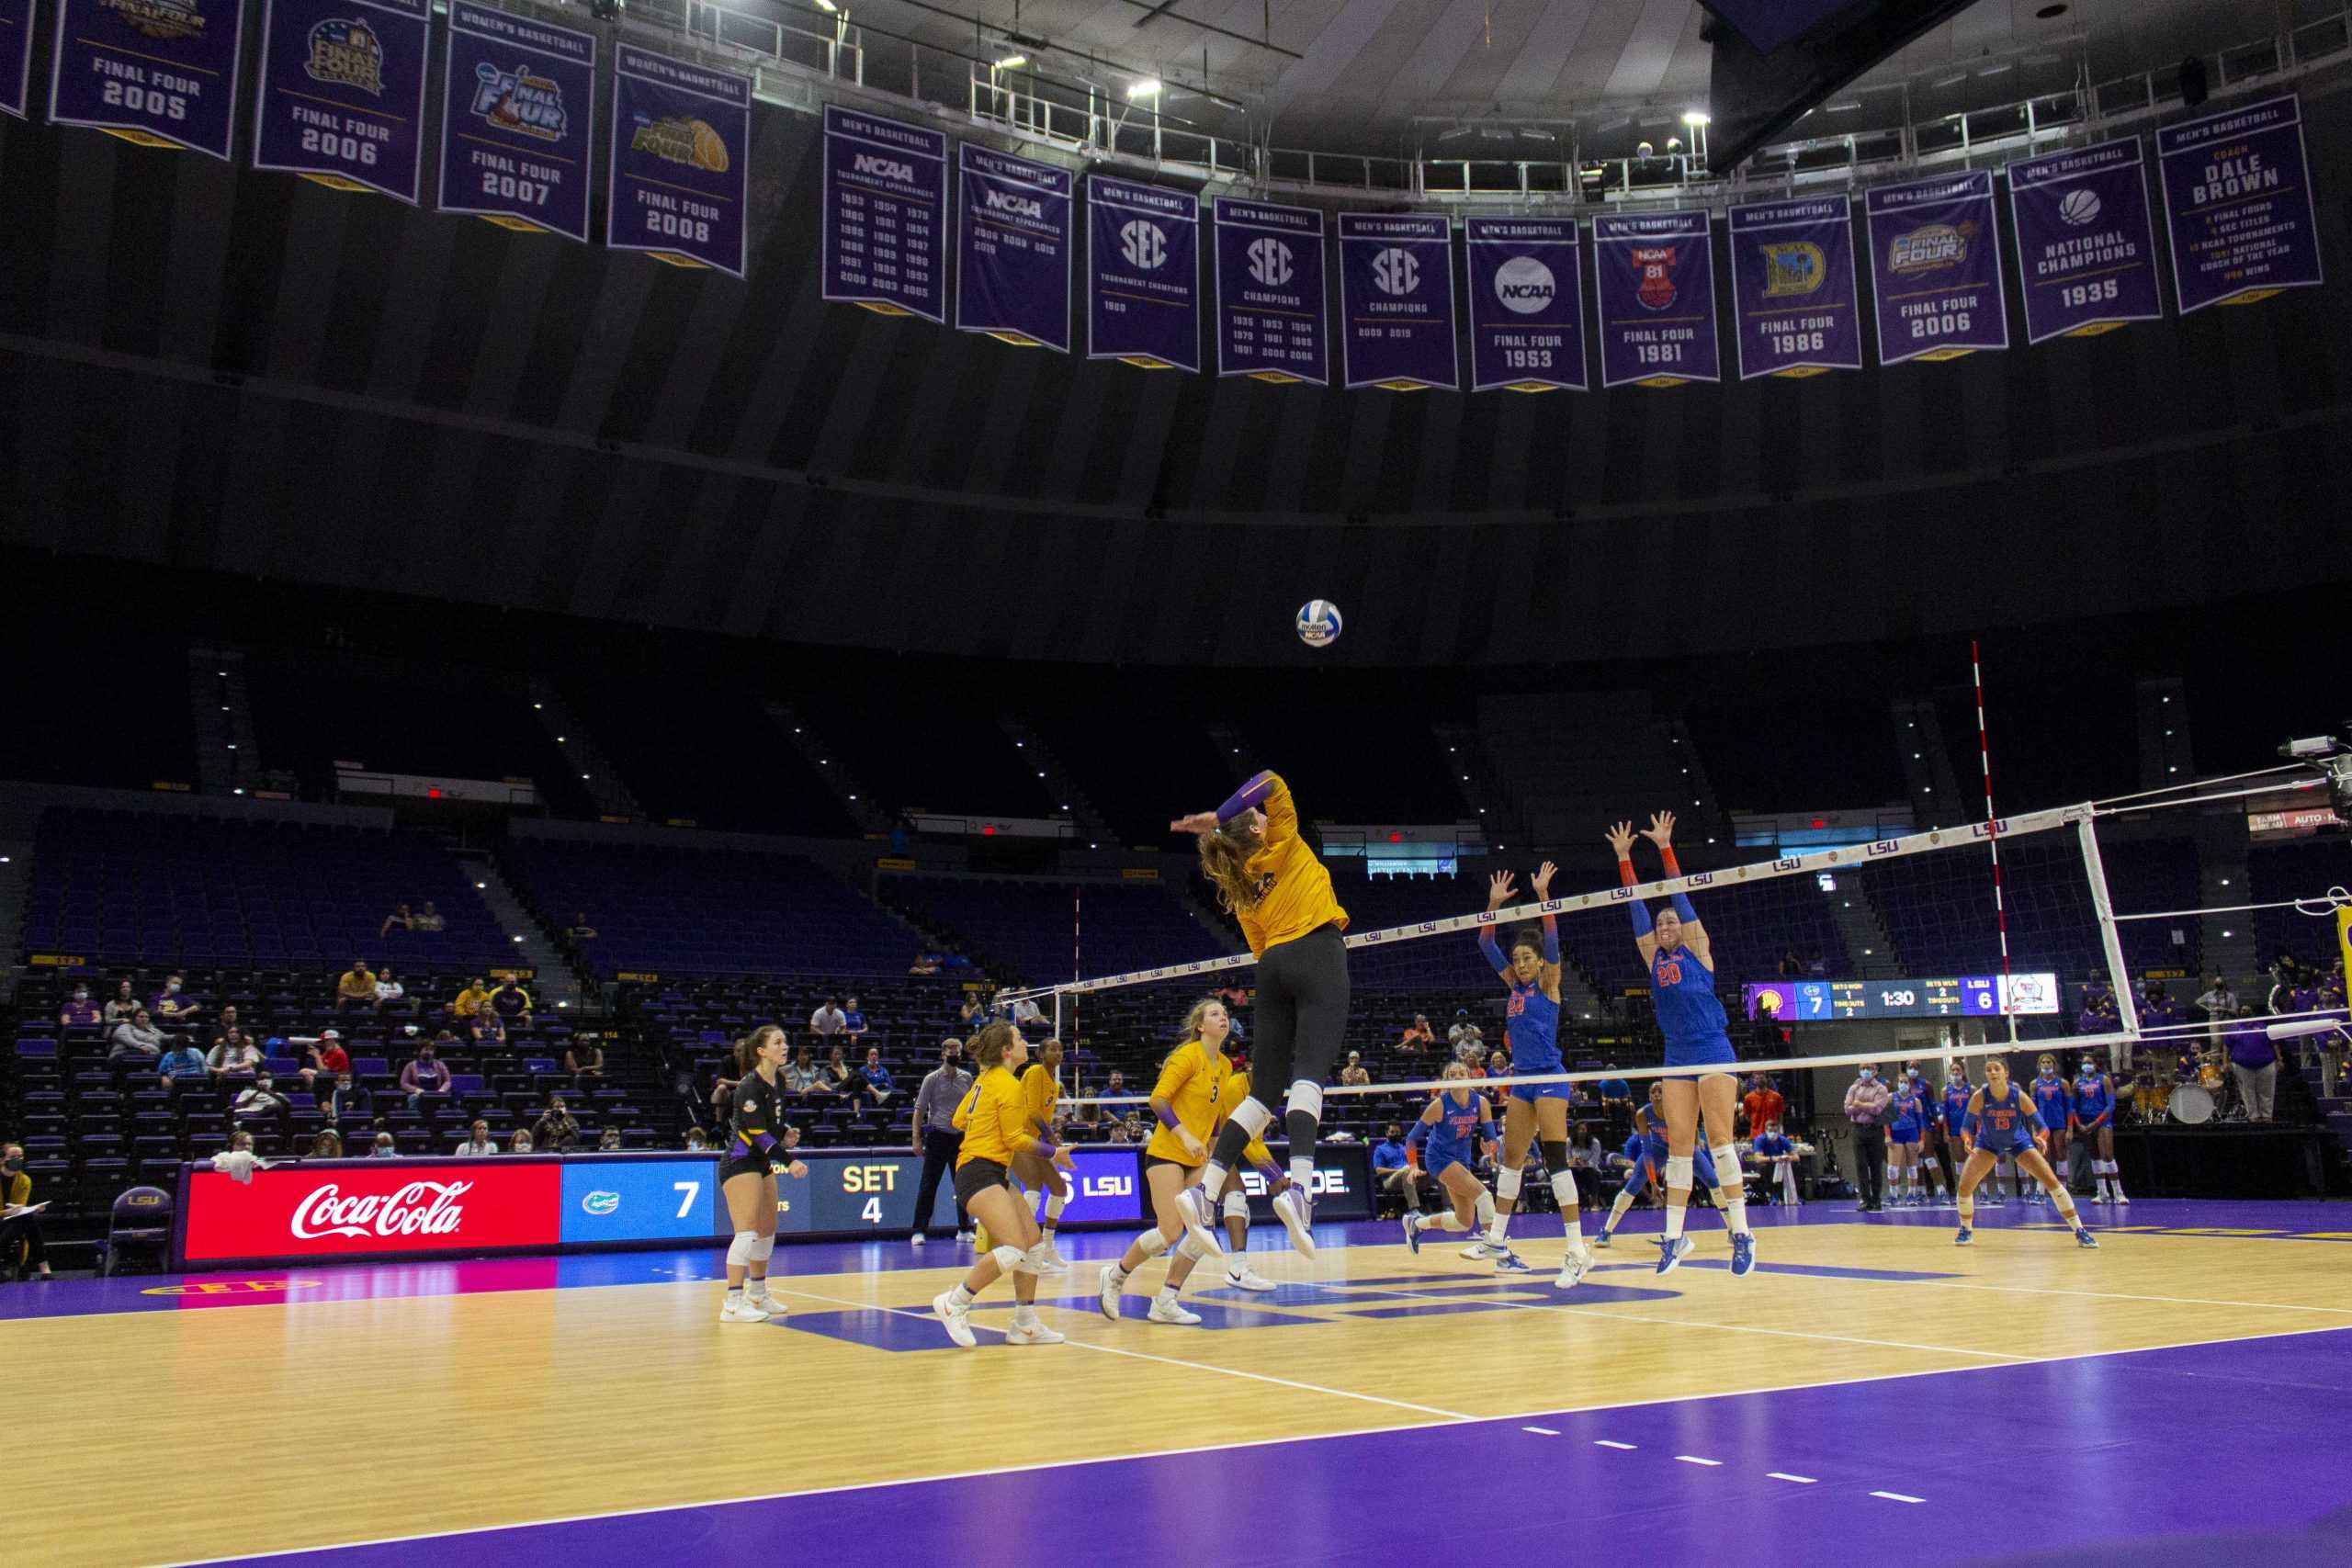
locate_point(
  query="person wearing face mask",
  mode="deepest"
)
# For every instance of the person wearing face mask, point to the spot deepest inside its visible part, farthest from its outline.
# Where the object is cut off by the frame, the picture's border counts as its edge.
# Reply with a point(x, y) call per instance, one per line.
point(385, 1148)
point(80, 1011)
point(2054, 1101)
point(427, 1074)
point(521, 1142)
point(2094, 1124)
point(172, 1004)
point(1866, 1103)
point(1906, 1120)
point(257, 1099)
point(477, 1143)
point(19, 1221)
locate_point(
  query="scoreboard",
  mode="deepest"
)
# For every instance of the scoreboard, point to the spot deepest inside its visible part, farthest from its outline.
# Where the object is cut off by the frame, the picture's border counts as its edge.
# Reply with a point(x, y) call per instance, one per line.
point(1962, 996)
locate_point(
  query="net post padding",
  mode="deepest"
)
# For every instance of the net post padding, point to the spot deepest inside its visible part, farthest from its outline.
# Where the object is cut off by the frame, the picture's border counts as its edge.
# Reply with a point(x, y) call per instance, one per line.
point(2126, 1004)
point(1846, 857)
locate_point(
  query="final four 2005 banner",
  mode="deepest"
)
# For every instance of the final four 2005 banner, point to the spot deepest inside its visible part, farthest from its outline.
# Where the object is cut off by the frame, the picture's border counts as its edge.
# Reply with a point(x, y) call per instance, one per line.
point(1012, 224)
point(2238, 205)
point(1526, 304)
point(681, 143)
point(1396, 302)
point(1792, 287)
point(1656, 277)
point(1143, 274)
point(2086, 255)
point(159, 72)
point(1936, 268)
point(15, 55)
point(342, 98)
point(518, 116)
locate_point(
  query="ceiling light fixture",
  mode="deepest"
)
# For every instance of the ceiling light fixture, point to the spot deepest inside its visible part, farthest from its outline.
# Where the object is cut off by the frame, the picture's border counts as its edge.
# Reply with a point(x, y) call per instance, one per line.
point(1954, 80)
point(1998, 68)
point(1146, 88)
point(1013, 62)
point(1844, 106)
point(1695, 118)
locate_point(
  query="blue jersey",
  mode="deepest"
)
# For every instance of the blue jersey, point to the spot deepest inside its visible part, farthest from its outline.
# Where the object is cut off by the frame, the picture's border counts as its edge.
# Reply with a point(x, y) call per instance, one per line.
point(1682, 990)
point(1455, 1135)
point(1905, 1115)
point(2000, 1123)
point(2053, 1097)
point(1956, 1095)
point(1771, 1146)
point(2093, 1098)
point(1649, 1133)
point(1531, 1026)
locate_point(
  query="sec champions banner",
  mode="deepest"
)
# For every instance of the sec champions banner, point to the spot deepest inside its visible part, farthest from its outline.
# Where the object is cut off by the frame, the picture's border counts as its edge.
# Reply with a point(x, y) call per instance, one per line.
point(342, 98)
point(886, 215)
point(517, 119)
point(16, 56)
point(1526, 304)
point(1657, 290)
point(1936, 268)
point(681, 148)
point(160, 73)
point(2238, 205)
point(2087, 252)
point(1397, 301)
point(1270, 292)
point(1142, 274)
point(1793, 289)
point(1012, 223)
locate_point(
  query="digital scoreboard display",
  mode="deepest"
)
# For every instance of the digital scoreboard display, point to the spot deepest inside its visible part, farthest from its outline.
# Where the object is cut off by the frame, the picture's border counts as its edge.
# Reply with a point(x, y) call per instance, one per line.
point(1965, 996)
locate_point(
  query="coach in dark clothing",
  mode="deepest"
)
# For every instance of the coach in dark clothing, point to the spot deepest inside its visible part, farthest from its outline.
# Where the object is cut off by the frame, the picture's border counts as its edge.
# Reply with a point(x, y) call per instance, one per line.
point(1866, 1104)
point(935, 1136)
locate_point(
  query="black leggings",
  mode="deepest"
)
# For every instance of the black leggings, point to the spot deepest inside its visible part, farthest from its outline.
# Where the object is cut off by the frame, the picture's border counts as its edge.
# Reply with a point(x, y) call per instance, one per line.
point(1300, 1012)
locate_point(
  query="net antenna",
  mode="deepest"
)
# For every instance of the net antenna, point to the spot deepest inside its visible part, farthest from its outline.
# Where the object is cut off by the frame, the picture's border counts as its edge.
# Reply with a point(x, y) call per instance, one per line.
point(1991, 832)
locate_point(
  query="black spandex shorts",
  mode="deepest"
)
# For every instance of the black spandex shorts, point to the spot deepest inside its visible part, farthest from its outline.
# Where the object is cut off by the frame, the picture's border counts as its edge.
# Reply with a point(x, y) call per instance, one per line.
point(756, 1163)
point(975, 1177)
point(1301, 1013)
point(1151, 1160)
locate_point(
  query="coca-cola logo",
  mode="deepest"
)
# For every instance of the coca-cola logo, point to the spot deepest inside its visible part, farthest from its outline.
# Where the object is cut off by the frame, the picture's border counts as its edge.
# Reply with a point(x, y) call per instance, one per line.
point(421, 1208)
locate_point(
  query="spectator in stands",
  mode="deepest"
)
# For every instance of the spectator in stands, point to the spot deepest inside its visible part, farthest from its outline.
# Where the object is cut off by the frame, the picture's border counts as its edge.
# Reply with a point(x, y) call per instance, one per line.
point(401, 918)
point(257, 1100)
point(233, 1056)
point(1816, 965)
point(520, 1143)
point(426, 1074)
point(924, 963)
point(1419, 1035)
point(2220, 1005)
point(356, 988)
point(2098, 1015)
point(390, 995)
point(182, 1061)
point(1792, 966)
point(971, 1015)
point(510, 1002)
point(226, 1022)
point(697, 1142)
point(19, 1228)
point(580, 930)
point(584, 1060)
point(879, 1085)
point(1462, 1028)
point(556, 1131)
point(853, 1020)
point(325, 1057)
point(136, 1040)
point(1614, 1091)
point(1353, 1072)
point(1123, 1131)
point(1763, 1104)
point(1499, 1064)
point(173, 1005)
point(385, 1147)
point(1026, 1012)
point(486, 1029)
point(80, 1011)
point(936, 1134)
point(348, 1099)
point(1391, 1169)
point(427, 918)
point(328, 1144)
point(804, 1077)
point(122, 1005)
point(1866, 1102)
point(2253, 1062)
point(609, 1140)
point(827, 1020)
point(471, 1000)
point(240, 1143)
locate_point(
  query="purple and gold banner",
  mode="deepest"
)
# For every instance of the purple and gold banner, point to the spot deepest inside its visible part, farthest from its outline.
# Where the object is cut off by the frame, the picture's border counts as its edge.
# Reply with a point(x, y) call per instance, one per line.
point(1656, 277)
point(160, 73)
point(2087, 252)
point(1012, 223)
point(1936, 268)
point(1143, 274)
point(16, 56)
point(341, 99)
point(1270, 292)
point(2238, 205)
point(1526, 304)
point(682, 149)
point(518, 116)
point(1396, 300)
point(886, 215)
point(1794, 295)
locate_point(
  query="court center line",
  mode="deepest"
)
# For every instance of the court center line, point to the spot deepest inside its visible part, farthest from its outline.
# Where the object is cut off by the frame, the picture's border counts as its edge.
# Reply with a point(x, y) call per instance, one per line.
point(1799, 1480)
point(1605, 1443)
point(1541, 1431)
point(1899, 1497)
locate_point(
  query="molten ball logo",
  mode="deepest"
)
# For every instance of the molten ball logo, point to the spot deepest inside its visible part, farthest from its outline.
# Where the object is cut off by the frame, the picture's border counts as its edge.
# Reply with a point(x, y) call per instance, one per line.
point(1525, 285)
point(1142, 244)
point(2079, 207)
point(421, 1208)
point(1270, 261)
point(1394, 270)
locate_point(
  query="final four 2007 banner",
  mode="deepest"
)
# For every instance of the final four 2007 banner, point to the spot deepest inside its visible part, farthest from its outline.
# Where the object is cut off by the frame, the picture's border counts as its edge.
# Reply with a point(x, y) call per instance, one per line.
point(15, 55)
point(1656, 275)
point(681, 143)
point(2238, 205)
point(1143, 274)
point(342, 98)
point(518, 116)
point(1397, 301)
point(1793, 286)
point(1012, 248)
point(1936, 268)
point(163, 73)
point(1526, 304)
point(2086, 259)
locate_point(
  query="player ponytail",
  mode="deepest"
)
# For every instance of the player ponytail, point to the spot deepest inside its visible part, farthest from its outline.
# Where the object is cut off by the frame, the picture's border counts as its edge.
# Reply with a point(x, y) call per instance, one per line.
point(1225, 860)
point(1528, 938)
point(987, 1047)
point(747, 1049)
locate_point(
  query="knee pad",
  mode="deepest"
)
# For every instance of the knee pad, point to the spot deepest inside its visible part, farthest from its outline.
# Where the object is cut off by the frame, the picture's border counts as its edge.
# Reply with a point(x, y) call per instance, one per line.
point(1008, 1257)
point(739, 1251)
point(761, 1247)
point(1930, 1163)
point(1151, 1244)
point(1485, 1210)
point(1305, 1095)
point(1555, 1154)
point(1191, 1248)
point(1678, 1173)
point(1236, 1206)
point(1252, 1115)
point(1564, 1190)
point(1726, 1158)
point(1507, 1183)
point(1033, 1261)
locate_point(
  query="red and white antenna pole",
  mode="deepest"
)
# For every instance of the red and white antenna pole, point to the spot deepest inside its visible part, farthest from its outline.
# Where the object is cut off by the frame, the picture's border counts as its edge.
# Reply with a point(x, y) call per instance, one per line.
point(1991, 832)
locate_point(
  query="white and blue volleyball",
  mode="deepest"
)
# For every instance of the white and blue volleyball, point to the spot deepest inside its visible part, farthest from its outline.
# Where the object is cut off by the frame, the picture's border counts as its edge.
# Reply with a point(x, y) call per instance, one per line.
point(1318, 623)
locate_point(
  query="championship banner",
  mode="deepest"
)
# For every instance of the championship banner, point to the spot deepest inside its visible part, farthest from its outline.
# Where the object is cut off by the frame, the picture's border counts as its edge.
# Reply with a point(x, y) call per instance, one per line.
point(1142, 274)
point(681, 152)
point(16, 56)
point(1792, 287)
point(1396, 300)
point(1270, 292)
point(2086, 253)
point(159, 73)
point(2238, 205)
point(1936, 268)
point(1012, 221)
point(886, 208)
point(341, 99)
point(518, 116)
point(1657, 279)
point(1526, 304)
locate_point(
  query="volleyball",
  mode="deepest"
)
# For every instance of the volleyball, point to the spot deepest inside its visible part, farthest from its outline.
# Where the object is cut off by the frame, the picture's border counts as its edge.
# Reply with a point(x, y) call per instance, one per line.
point(1318, 623)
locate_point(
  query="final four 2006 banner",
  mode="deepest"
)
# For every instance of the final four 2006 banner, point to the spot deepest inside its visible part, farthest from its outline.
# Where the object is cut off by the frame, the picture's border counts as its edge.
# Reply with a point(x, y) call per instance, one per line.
point(518, 116)
point(159, 72)
point(1936, 268)
point(681, 144)
point(342, 95)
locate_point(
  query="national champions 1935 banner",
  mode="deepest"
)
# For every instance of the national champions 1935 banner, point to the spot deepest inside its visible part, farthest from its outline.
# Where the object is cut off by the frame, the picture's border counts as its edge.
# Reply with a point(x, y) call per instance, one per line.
point(1396, 302)
point(342, 95)
point(885, 213)
point(1936, 267)
point(1795, 305)
point(163, 73)
point(16, 56)
point(1655, 276)
point(2238, 205)
point(1013, 222)
point(682, 147)
point(1526, 304)
point(1270, 292)
point(518, 118)
point(1143, 274)
point(2087, 253)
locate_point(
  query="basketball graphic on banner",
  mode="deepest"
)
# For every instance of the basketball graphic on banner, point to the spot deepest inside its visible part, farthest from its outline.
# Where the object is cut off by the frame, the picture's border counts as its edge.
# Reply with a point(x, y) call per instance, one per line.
point(2079, 207)
point(1318, 623)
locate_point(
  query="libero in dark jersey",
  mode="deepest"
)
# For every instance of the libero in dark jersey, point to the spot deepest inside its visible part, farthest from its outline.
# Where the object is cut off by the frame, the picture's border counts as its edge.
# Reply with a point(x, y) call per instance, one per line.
point(747, 1175)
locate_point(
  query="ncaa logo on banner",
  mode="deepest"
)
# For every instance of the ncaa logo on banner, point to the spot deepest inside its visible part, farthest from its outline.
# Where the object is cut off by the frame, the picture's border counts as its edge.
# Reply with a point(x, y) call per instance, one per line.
point(1525, 285)
point(1394, 270)
point(1270, 261)
point(1142, 244)
point(1657, 289)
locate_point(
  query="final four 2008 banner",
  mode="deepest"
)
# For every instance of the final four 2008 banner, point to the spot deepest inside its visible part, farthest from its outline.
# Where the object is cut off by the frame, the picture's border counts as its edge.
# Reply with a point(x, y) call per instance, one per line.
point(681, 143)
point(160, 72)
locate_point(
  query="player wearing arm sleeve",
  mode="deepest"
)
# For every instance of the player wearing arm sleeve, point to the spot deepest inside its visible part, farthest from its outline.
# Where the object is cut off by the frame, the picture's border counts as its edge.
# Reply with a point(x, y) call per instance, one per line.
point(998, 1131)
